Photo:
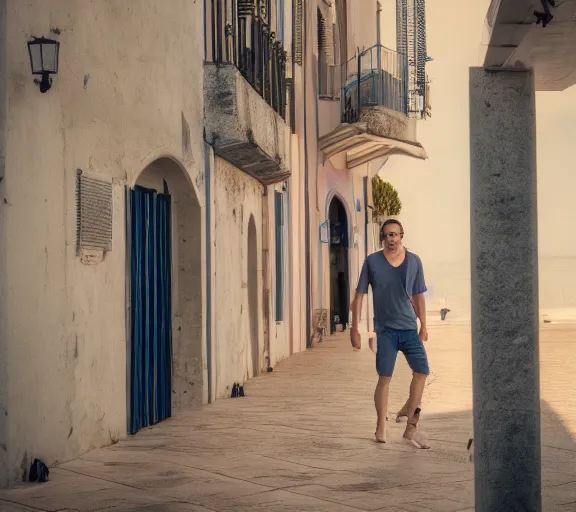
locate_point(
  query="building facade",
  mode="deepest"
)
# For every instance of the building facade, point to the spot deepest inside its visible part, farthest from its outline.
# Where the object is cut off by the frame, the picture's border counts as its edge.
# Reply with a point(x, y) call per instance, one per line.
point(369, 98)
point(168, 197)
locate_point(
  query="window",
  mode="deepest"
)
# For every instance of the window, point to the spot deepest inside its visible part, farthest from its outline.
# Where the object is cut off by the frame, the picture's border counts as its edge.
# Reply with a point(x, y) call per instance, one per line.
point(326, 69)
point(279, 211)
point(325, 38)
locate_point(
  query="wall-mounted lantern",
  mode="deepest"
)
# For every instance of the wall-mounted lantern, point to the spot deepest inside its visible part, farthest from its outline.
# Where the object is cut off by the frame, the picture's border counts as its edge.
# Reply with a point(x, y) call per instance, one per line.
point(43, 60)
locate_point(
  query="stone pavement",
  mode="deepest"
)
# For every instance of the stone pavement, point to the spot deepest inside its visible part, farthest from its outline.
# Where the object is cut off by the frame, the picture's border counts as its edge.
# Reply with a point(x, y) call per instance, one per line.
point(301, 440)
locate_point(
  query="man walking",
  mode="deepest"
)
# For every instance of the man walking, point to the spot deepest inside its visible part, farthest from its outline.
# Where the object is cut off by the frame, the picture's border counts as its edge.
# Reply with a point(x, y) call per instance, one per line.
point(397, 280)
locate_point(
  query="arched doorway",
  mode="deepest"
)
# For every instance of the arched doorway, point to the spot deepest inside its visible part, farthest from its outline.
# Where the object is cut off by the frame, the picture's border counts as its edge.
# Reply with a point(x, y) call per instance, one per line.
point(339, 268)
point(165, 254)
point(253, 294)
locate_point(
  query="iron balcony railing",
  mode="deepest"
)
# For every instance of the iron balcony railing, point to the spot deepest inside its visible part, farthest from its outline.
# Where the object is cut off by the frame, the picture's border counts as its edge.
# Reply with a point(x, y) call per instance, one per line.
point(242, 36)
point(378, 77)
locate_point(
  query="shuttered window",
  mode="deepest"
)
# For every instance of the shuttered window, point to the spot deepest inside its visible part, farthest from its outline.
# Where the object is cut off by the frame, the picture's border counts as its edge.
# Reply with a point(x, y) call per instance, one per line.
point(94, 213)
point(297, 20)
point(325, 39)
point(245, 7)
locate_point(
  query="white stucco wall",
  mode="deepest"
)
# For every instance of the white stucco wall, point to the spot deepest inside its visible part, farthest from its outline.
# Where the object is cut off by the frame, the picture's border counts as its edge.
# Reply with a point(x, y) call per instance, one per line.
point(329, 116)
point(361, 25)
point(297, 247)
point(114, 107)
point(236, 197)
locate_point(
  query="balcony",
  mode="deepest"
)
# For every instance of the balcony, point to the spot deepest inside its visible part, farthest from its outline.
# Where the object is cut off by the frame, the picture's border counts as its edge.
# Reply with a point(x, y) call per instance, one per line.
point(245, 92)
point(378, 107)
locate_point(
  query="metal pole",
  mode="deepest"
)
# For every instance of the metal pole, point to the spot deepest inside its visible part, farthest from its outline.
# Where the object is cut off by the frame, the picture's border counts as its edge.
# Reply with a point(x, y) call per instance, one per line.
point(380, 82)
point(358, 95)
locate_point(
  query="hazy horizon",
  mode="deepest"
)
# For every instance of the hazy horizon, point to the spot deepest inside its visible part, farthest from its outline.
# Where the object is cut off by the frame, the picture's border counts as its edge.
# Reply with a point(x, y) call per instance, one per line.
point(435, 192)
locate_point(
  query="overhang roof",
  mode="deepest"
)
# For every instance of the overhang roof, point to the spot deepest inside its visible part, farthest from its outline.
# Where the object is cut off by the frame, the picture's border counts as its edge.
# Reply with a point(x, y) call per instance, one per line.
point(515, 40)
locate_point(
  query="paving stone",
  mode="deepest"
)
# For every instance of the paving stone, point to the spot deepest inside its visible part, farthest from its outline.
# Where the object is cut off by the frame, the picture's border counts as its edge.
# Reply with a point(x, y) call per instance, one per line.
point(302, 440)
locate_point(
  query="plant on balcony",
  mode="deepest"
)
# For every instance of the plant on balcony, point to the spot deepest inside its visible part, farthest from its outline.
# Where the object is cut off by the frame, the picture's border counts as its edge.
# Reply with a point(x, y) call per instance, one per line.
point(385, 200)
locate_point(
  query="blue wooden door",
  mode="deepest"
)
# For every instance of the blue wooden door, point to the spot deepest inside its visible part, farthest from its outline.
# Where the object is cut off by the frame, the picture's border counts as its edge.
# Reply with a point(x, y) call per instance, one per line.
point(151, 308)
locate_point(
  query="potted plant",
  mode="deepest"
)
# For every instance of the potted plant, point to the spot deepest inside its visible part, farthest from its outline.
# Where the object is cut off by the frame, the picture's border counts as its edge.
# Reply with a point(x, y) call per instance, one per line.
point(385, 201)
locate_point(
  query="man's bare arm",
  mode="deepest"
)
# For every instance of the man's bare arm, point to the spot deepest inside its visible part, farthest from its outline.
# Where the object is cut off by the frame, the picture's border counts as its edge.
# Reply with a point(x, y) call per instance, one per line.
point(357, 309)
point(420, 307)
point(355, 337)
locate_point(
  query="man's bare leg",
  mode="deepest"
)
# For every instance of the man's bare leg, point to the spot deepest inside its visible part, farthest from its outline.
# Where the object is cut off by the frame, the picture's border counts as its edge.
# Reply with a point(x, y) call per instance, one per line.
point(381, 403)
point(416, 391)
point(403, 412)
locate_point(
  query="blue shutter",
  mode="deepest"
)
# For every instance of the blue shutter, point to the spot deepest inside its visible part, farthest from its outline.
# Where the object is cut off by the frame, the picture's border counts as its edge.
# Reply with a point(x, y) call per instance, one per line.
point(279, 214)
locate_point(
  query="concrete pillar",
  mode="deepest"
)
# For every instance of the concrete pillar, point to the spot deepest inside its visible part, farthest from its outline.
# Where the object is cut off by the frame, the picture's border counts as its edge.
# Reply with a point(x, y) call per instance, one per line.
point(504, 250)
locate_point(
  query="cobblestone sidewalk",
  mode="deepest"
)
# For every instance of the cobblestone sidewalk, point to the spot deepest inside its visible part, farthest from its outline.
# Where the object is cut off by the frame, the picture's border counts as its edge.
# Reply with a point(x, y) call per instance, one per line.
point(301, 440)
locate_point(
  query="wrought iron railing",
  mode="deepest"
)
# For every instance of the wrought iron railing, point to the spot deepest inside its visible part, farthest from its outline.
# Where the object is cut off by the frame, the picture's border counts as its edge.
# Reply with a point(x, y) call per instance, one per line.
point(380, 78)
point(241, 35)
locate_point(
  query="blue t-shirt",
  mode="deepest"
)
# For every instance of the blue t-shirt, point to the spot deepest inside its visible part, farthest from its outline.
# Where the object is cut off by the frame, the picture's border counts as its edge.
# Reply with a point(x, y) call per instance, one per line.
point(392, 289)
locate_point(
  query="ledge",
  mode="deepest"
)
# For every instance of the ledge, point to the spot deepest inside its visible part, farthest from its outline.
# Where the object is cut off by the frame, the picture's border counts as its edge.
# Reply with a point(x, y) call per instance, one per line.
point(242, 128)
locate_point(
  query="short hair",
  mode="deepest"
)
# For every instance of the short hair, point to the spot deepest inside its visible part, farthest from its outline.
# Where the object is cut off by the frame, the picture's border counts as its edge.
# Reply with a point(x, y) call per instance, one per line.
point(388, 223)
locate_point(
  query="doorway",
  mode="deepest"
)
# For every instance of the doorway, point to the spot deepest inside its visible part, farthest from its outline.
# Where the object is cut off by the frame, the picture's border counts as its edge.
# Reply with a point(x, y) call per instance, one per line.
point(151, 312)
point(165, 371)
point(339, 268)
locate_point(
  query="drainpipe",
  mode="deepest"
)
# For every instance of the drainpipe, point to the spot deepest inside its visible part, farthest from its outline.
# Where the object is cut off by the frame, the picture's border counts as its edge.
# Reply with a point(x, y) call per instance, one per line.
point(3, 87)
point(265, 277)
point(306, 177)
point(205, 32)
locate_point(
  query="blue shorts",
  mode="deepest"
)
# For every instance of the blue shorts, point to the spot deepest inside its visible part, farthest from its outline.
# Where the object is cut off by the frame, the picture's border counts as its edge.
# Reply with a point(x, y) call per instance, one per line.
point(390, 341)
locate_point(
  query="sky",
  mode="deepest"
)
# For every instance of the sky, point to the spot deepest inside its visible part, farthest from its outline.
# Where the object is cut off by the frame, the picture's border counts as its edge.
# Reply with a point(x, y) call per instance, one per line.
point(435, 192)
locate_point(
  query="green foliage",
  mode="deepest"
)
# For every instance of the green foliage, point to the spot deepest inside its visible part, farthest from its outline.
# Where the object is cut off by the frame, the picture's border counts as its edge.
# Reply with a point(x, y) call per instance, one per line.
point(385, 198)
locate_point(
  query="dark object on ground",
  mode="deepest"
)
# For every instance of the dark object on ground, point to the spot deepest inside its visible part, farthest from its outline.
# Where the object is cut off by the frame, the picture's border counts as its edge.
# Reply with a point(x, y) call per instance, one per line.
point(38, 471)
point(270, 369)
point(547, 321)
point(543, 17)
point(237, 391)
point(470, 449)
point(546, 16)
point(443, 313)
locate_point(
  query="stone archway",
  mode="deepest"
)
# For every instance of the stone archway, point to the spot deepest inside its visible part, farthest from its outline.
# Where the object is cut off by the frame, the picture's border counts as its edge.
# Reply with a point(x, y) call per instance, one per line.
point(169, 299)
point(339, 264)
